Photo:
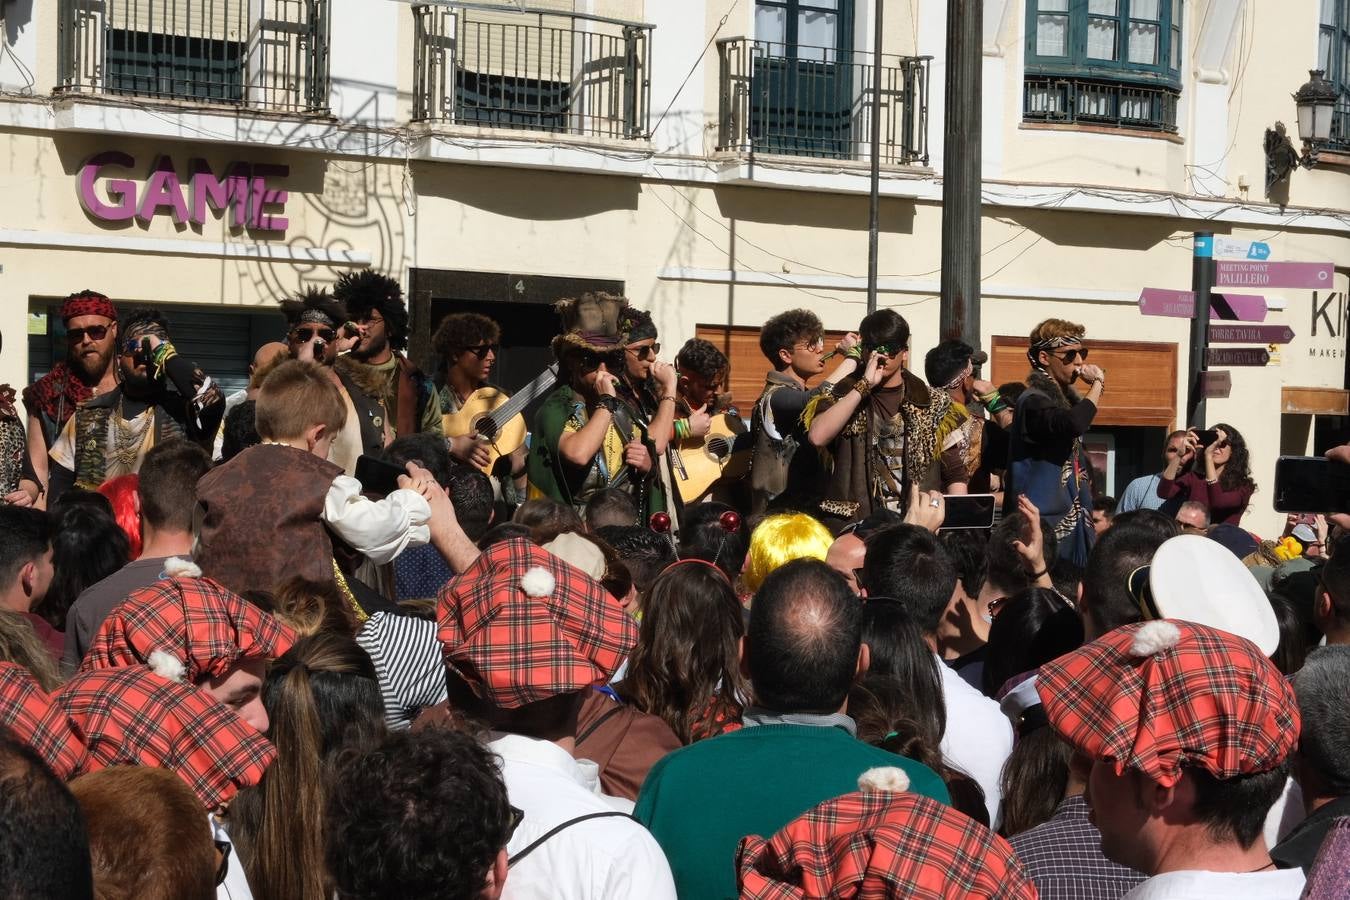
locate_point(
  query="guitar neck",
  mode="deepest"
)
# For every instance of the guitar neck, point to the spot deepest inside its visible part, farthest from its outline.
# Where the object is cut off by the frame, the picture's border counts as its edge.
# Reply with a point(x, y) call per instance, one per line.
point(541, 385)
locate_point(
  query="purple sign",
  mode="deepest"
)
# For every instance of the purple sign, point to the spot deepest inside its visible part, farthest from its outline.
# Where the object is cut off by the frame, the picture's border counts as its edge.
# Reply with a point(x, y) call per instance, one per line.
point(1229, 333)
point(1237, 307)
point(242, 191)
point(1236, 356)
point(1273, 274)
point(1181, 305)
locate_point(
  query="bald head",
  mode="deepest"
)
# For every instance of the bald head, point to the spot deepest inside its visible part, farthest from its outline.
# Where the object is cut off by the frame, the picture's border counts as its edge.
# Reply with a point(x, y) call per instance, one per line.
point(267, 354)
point(845, 555)
point(801, 647)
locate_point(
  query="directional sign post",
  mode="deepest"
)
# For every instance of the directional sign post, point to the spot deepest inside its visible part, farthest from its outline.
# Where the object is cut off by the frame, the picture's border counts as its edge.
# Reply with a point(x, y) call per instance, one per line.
point(1229, 333)
point(1181, 305)
point(1228, 248)
point(1236, 356)
point(1216, 385)
point(1273, 274)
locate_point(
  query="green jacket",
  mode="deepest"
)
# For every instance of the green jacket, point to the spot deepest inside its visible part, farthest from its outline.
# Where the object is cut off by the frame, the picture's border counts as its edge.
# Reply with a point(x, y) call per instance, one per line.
point(699, 801)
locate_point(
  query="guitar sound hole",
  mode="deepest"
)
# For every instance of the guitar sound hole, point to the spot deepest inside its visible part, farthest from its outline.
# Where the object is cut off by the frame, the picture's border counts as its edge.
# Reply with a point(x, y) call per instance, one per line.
point(486, 428)
point(719, 448)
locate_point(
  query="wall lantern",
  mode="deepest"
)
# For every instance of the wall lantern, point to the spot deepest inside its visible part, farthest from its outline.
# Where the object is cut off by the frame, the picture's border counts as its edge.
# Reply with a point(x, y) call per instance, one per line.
point(1316, 105)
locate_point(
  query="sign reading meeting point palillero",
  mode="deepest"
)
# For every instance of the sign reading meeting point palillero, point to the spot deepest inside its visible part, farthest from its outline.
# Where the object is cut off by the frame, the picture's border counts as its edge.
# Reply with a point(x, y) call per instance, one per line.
point(109, 192)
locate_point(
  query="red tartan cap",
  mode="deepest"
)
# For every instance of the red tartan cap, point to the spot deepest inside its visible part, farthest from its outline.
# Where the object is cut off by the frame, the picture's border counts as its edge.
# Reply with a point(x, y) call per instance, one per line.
point(39, 723)
point(87, 303)
point(521, 625)
point(199, 622)
point(881, 844)
point(1160, 695)
point(133, 717)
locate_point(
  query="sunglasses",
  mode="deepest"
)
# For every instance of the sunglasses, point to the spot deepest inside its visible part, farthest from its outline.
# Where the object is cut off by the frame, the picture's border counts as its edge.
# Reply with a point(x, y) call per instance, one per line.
point(1142, 593)
point(592, 361)
point(645, 352)
point(95, 333)
point(997, 604)
point(223, 868)
point(305, 335)
point(811, 346)
point(517, 816)
point(482, 350)
point(887, 350)
point(1068, 356)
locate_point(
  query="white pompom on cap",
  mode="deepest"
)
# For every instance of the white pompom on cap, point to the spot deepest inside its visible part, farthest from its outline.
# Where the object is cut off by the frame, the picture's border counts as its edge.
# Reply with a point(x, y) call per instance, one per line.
point(884, 778)
point(166, 665)
point(177, 567)
point(1154, 637)
point(537, 582)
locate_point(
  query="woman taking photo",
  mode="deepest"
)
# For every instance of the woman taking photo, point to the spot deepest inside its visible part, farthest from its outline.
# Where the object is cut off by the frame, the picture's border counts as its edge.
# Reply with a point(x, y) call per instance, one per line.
point(1215, 474)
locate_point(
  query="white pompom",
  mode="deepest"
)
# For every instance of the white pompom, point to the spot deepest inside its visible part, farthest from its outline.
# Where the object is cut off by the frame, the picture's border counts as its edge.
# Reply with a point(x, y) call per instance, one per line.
point(537, 582)
point(166, 665)
point(177, 567)
point(884, 778)
point(1154, 637)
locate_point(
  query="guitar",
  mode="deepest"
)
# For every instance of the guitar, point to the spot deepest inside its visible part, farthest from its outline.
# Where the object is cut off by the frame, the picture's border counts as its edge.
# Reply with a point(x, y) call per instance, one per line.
point(496, 418)
point(723, 453)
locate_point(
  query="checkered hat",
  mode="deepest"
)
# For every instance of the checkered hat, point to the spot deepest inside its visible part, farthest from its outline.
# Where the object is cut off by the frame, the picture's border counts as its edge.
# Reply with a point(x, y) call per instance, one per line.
point(203, 628)
point(521, 625)
point(881, 844)
point(36, 721)
point(133, 717)
point(1160, 695)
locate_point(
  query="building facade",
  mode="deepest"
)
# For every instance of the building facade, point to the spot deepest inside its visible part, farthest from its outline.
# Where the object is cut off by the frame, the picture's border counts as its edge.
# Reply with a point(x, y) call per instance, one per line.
point(709, 158)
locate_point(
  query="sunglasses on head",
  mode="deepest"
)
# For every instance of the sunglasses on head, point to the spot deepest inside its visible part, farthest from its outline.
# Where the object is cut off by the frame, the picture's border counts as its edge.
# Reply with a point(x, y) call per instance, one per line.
point(95, 333)
point(1068, 356)
point(482, 350)
point(305, 335)
point(645, 352)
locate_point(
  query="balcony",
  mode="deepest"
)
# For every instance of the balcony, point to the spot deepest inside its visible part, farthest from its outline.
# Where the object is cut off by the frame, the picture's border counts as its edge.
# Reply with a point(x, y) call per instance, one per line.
point(817, 102)
point(532, 70)
point(1112, 104)
point(259, 54)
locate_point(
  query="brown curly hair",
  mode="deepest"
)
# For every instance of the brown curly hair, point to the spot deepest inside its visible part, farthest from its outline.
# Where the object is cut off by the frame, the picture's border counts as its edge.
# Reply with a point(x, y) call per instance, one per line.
point(459, 331)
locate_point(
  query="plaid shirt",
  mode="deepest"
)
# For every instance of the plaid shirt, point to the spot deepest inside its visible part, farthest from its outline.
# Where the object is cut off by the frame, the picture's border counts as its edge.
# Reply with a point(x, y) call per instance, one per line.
point(1064, 857)
point(881, 844)
point(132, 717)
point(1212, 700)
point(518, 648)
point(201, 623)
point(38, 723)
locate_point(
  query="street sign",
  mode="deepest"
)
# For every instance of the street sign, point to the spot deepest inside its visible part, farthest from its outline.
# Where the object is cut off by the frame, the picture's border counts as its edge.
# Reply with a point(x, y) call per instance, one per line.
point(1228, 248)
point(1236, 356)
point(1216, 385)
point(1226, 333)
point(1273, 274)
point(1181, 305)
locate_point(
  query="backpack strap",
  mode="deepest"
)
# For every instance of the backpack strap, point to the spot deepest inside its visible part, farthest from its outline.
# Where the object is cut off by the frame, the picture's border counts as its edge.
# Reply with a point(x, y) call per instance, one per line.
point(559, 827)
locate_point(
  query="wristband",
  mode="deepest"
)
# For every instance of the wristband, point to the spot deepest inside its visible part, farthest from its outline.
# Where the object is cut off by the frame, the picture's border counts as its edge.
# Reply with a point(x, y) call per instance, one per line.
point(607, 403)
point(681, 429)
point(664, 399)
point(854, 352)
point(1045, 571)
point(862, 387)
point(995, 404)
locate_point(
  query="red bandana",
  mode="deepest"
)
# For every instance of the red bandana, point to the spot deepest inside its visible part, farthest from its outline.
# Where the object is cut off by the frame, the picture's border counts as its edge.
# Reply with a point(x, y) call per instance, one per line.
point(87, 303)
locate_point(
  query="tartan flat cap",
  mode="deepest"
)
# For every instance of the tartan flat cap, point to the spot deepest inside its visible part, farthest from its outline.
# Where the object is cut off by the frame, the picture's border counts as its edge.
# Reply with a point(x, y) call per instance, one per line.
point(521, 625)
point(132, 717)
point(37, 722)
point(1158, 696)
point(199, 622)
point(881, 845)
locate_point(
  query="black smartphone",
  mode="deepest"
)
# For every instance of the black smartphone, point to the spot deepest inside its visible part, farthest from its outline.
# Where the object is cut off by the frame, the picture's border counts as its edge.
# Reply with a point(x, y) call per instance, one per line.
point(968, 511)
point(1311, 484)
point(1207, 437)
point(377, 476)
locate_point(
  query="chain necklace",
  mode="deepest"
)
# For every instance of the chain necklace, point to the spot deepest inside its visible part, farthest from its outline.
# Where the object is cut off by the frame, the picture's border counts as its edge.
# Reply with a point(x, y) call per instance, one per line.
point(128, 437)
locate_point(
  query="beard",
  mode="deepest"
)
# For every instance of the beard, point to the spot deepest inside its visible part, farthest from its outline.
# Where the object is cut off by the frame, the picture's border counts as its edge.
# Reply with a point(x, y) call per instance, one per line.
point(92, 366)
point(137, 384)
point(367, 349)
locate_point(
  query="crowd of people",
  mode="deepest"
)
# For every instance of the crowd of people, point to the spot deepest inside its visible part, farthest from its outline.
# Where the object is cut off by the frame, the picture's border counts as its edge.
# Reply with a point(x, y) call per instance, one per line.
point(356, 631)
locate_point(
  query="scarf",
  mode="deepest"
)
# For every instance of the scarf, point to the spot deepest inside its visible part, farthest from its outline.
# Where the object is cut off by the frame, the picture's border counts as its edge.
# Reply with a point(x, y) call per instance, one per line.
point(56, 394)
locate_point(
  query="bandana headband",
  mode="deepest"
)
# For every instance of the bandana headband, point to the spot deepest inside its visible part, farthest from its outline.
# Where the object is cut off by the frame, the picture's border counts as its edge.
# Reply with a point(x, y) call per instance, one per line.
point(1053, 343)
point(956, 382)
point(316, 316)
point(87, 303)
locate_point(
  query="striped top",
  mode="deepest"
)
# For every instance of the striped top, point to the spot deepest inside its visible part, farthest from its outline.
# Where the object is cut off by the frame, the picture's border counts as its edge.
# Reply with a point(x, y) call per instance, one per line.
point(408, 662)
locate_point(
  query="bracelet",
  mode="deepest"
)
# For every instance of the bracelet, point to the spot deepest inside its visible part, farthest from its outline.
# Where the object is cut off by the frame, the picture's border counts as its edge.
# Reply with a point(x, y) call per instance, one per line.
point(665, 398)
point(862, 387)
point(854, 352)
point(994, 405)
point(607, 403)
point(681, 429)
point(1211, 481)
point(1045, 571)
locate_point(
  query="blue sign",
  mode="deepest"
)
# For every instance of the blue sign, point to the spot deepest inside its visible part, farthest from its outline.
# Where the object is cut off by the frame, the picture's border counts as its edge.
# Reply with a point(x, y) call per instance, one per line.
point(1258, 250)
point(1204, 246)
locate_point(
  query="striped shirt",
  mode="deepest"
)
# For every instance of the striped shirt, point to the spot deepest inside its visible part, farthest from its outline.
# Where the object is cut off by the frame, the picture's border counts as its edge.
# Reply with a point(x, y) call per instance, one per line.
point(1064, 857)
point(408, 663)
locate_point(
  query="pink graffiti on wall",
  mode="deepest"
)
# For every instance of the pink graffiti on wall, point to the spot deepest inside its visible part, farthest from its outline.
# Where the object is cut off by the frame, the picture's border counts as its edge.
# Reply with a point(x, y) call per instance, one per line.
point(241, 191)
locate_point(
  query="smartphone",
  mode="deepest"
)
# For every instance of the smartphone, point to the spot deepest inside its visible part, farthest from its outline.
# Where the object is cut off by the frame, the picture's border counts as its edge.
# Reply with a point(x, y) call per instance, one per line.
point(377, 476)
point(1311, 484)
point(968, 511)
point(1207, 437)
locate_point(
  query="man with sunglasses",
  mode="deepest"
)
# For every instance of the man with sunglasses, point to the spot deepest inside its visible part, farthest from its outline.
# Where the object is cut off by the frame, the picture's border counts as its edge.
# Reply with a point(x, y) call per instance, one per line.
point(1046, 458)
point(1142, 492)
point(90, 321)
point(884, 428)
point(650, 388)
point(160, 396)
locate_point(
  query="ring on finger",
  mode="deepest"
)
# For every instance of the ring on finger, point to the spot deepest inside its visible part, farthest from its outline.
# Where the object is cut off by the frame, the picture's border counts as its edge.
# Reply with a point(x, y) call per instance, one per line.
point(935, 503)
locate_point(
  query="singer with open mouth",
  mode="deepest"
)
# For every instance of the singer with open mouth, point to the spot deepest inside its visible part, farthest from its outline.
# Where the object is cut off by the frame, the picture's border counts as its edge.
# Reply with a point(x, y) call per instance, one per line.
point(1046, 459)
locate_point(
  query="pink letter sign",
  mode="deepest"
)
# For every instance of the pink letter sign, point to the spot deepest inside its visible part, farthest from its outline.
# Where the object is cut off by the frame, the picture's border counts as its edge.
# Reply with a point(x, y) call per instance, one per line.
point(242, 191)
point(118, 188)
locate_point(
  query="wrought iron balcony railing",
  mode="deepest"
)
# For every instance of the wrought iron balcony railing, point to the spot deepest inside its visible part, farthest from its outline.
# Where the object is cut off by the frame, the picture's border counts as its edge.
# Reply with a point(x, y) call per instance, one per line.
point(1114, 104)
point(262, 54)
point(537, 70)
point(817, 101)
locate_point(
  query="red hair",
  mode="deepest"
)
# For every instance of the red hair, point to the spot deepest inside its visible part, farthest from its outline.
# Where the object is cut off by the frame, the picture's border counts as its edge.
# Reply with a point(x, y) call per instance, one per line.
point(124, 494)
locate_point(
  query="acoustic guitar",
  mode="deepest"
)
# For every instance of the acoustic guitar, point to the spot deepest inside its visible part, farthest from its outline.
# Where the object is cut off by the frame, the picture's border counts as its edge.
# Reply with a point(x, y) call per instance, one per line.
point(722, 454)
point(496, 418)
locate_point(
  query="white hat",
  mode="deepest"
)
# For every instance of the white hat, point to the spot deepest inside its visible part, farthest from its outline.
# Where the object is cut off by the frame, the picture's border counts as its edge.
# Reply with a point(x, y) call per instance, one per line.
point(577, 551)
point(1199, 580)
point(1305, 534)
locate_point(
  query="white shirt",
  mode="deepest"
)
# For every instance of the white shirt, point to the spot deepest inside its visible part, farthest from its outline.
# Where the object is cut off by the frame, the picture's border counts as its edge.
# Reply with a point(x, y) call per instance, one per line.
point(235, 886)
point(381, 529)
point(613, 857)
point(1276, 884)
point(978, 739)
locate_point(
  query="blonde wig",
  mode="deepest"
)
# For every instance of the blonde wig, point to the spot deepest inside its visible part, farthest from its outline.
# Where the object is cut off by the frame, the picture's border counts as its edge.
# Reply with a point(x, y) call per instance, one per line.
point(780, 539)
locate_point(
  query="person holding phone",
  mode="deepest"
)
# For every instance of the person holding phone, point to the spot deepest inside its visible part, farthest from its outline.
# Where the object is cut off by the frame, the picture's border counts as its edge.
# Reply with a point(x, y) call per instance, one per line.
point(1046, 459)
point(1212, 469)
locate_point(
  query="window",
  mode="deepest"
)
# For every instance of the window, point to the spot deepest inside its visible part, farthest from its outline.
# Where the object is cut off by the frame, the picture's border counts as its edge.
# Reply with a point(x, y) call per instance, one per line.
point(1108, 62)
point(170, 65)
point(1333, 58)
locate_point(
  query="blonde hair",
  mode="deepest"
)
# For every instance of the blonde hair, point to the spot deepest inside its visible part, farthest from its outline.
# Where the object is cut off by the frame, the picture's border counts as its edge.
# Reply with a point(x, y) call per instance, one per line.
point(19, 643)
point(310, 607)
point(780, 539)
point(296, 396)
point(1061, 330)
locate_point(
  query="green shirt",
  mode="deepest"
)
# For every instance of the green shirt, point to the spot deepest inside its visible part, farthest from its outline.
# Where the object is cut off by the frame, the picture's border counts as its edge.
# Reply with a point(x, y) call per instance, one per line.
point(431, 411)
point(699, 801)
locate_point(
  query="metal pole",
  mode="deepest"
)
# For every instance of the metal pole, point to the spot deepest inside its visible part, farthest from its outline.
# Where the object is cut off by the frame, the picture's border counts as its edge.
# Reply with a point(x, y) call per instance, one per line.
point(874, 209)
point(1202, 282)
point(959, 315)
